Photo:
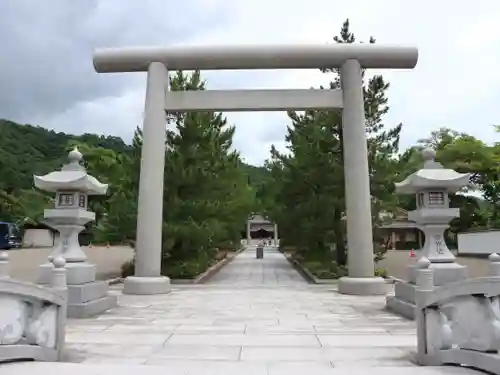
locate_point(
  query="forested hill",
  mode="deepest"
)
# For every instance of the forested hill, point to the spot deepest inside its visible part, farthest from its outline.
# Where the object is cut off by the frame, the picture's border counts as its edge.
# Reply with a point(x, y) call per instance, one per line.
point(26, 150)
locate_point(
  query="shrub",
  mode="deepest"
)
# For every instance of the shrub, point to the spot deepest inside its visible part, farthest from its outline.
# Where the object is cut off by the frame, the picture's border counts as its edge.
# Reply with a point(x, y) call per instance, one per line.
point(128, 268)
point(379, 252)
point(325, 269)
point(381, 272)
point(180, 269)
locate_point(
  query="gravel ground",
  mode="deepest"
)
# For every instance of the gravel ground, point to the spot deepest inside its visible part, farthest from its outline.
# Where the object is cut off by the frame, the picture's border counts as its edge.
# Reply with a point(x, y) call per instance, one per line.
point(395, 262)
point(24, 262)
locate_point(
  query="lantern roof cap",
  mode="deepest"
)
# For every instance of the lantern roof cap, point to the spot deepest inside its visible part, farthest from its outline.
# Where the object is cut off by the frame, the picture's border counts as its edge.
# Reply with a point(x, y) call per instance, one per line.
point(72, 176)
point(433, 175)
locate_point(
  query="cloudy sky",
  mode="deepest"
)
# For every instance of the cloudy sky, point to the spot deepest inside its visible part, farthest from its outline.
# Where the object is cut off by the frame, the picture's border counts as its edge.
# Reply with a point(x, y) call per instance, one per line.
point(47, 77)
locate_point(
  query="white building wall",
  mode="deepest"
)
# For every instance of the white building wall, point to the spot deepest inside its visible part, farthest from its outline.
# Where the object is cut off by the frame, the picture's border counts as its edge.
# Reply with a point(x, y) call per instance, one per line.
point(478, 243)
point(38, 238)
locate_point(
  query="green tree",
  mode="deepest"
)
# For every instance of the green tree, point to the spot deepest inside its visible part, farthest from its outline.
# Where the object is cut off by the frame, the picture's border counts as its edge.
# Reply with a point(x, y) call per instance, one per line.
point(26, 150)
point(311, 193)
point(207, 197)
point(9, 207)
point(463, 153)
point(466, 154)
point(32, 203)
point(306, 183)
point(117, 211)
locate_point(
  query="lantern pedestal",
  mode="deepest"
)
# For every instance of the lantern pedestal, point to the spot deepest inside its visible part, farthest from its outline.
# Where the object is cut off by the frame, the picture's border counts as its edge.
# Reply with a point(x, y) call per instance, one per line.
point(77, 273)
point(444, 273)
point(443, 263)
point(86, 296)
point(403, 301)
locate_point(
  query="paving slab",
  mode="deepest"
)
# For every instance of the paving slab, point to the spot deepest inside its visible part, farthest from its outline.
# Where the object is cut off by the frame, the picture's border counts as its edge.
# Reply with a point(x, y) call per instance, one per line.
point(245, 269)
point(257, 316)
point(169, 367)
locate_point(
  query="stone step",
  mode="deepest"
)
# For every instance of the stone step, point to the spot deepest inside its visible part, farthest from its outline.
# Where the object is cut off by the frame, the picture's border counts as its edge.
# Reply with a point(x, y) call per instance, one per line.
point(87, 292)
point(401, 307)
point(220, 368)
point(91, 308)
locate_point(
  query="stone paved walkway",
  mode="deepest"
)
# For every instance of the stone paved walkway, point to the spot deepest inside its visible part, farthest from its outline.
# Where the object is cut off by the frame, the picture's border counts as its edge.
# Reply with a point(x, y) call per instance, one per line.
point(245, 270)
point(255, 317)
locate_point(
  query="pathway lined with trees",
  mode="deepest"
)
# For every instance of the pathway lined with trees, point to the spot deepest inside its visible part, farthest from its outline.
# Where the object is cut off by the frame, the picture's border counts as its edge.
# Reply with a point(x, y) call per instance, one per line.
point(246, 270)
point(210, 191)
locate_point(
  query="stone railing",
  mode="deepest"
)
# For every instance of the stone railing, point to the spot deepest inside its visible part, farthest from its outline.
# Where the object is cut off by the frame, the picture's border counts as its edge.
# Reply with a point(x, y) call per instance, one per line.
point(32, 317)
point(459, 323)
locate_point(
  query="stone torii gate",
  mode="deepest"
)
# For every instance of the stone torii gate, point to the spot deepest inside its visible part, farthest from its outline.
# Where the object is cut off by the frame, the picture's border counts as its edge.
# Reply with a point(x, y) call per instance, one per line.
point(349, 58)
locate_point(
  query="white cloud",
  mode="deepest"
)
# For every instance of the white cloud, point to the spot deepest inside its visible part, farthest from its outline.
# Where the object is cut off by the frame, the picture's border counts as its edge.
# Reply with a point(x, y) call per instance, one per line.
point(114, 115)
point(456, 82)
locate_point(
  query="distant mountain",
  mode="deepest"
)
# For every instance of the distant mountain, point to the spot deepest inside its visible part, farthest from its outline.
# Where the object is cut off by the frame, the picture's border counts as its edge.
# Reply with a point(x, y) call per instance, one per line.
point(256, 175)
point(26, 150)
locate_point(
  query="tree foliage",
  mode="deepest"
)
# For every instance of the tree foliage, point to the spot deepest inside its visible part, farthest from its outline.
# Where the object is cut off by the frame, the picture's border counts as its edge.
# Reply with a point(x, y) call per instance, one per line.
point(207, 197)
point(308, 180)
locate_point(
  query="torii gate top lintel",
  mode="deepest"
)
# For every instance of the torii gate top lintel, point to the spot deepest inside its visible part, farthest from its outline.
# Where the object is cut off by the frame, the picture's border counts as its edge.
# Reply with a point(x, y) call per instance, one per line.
point(248, 57)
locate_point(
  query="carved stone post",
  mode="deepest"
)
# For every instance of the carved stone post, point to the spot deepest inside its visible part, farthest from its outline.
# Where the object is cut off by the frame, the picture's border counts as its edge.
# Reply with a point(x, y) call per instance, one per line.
point(4, 265)
point(425, 283)
point(59, 274)
point(494, 264)
point(59, 284)
point(425, 275)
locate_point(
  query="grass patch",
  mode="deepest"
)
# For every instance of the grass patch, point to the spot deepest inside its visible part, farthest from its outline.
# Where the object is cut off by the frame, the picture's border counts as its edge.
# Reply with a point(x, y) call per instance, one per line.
point(324, 270)
point(381, 272)
point(324, 267)
point(185, 269)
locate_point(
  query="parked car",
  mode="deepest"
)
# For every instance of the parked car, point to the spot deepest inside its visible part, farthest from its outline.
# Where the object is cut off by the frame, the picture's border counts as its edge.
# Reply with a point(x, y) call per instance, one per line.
point(10, 236)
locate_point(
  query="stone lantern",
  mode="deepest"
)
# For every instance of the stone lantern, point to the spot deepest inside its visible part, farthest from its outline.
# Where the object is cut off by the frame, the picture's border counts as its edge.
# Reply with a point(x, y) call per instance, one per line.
point(72, 186)
point(431, 185)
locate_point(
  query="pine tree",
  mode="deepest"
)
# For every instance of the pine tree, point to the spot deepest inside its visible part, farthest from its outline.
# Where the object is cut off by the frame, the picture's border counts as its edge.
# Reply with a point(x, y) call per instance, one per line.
point(312, 203)
point(120, 221)
point(307, 181)
point(207, 198)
